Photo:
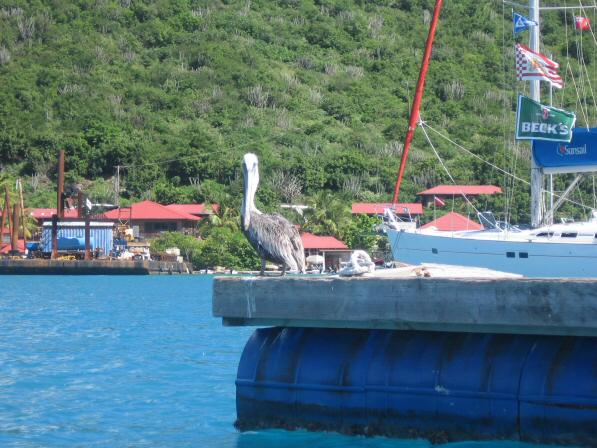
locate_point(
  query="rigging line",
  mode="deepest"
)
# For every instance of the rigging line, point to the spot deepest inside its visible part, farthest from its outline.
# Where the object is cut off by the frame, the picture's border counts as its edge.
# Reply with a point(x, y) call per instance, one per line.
point(583, 12)
point(561, 91)
point(588, 82)
point(518, 5)
point(505, 81)
point(507, 181)
point(579, 192)
point(469, 152)
point(593, 177)
point(590, 27)
point(580, 56)
point(445, 167)
point(560, 8)
point(545, 8)
point(584, 78)
point(512, 181)
point(579, 100)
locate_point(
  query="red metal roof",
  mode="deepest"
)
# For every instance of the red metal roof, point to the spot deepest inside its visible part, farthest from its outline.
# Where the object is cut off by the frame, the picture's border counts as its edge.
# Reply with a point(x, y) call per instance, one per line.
point(149, 210)
point(195, 209)
point(452, 222)
point(311, 241)
point(470, 190)
point(377, 208)
point(5, 247)
point(46, 213)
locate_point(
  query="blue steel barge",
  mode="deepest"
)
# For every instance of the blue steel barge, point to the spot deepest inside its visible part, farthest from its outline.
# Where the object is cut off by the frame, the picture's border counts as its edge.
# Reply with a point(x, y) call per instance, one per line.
point(441, 359)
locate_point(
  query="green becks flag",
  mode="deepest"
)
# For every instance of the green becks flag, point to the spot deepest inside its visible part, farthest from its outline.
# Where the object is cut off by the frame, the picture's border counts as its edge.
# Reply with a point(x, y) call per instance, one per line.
point(535, 121)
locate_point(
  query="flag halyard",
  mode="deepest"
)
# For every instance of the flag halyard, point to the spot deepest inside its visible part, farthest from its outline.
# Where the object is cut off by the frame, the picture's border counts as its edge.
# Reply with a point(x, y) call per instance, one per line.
point(533, 66)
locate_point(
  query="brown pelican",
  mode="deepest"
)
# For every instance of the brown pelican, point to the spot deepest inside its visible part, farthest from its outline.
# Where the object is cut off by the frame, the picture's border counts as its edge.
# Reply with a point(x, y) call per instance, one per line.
point(273, 236)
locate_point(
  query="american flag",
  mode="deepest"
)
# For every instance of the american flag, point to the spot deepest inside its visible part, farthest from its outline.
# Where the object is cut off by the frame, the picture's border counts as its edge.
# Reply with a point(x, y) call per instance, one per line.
point(532, 66)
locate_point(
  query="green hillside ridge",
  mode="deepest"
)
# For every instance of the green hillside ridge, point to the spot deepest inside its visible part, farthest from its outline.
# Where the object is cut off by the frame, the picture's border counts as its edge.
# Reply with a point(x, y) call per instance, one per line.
point(178, 91)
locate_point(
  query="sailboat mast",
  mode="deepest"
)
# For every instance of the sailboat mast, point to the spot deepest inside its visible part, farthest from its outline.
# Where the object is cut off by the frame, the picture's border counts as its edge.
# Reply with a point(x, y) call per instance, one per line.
point(536, 174)
point(414, 112)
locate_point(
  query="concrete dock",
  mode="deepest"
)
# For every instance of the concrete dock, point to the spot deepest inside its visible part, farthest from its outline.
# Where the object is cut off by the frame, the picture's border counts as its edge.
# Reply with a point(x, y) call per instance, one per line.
point(514, 306)
point(445, 359)
point(15, 266)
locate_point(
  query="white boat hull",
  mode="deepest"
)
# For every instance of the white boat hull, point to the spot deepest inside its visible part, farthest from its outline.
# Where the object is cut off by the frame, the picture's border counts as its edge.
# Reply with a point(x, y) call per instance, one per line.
point(528, 258)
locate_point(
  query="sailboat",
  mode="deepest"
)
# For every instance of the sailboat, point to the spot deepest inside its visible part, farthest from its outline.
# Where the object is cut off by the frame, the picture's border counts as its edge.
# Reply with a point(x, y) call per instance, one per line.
point(544, 250)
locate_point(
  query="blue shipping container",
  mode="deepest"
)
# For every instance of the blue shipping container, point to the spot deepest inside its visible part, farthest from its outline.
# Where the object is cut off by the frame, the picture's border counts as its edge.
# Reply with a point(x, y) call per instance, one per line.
point(102, 236)
point(441, 386)
point(74, 243)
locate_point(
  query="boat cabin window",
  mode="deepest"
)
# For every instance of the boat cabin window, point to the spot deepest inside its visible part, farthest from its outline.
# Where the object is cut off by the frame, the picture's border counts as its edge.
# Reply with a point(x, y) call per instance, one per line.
point(510, 254)
point(523, 255)
point(544, 235)
point(569, 234)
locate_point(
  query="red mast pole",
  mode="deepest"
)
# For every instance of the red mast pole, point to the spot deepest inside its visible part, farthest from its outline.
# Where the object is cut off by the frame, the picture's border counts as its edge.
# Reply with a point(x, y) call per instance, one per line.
point(414, 112)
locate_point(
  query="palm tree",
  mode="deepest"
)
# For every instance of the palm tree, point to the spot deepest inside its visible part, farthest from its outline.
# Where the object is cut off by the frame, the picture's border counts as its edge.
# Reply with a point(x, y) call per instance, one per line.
point(327, 214)
point(226, 216)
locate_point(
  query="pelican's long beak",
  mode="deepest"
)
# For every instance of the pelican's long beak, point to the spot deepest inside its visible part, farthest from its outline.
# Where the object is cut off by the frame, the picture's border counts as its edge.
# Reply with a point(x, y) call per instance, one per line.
point(250, 181)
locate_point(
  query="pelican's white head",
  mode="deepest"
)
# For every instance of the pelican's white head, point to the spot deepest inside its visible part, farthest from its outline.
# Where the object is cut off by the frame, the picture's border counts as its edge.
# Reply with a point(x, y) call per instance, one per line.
point(251, 180)
point(250, 162)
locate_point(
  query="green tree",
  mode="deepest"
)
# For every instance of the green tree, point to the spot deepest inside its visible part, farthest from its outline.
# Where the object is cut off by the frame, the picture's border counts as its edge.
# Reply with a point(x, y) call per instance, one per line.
point(321, 90)
point(360, 233)
point(189, 246)
point(327, 214)
point(228, 248)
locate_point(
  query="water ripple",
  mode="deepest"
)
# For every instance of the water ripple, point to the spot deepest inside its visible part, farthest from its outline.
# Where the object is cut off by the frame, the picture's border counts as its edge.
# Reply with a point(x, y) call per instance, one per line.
point(129, 362)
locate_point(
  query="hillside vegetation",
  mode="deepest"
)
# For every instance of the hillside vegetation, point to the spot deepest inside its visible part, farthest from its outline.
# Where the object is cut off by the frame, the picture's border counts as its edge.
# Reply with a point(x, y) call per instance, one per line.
point(176, 91)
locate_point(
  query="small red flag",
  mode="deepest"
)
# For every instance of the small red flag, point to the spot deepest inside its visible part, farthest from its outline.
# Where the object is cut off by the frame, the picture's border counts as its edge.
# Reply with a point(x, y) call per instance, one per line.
point(438, 201)
point(582, 23)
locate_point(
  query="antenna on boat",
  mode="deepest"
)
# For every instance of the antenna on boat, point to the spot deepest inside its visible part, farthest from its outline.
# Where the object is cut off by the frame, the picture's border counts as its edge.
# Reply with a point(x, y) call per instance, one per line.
point(414, 112)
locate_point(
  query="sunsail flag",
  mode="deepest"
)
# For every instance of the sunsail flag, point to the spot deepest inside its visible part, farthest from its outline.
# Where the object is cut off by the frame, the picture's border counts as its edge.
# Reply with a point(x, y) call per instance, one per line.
point(522, 23)
point(533, 66)
point(535, 121)
point(578, 156)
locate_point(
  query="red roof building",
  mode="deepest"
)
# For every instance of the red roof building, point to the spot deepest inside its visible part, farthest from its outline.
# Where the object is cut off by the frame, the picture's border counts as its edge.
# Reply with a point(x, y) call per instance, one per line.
point(200, 210)
point(452, 222)
point(316, 242)
point(377, 208)
point(5, 247)
point(148, 218)
point(149, 210)
point(457, 190)
point(45, 214)
point(329, 249)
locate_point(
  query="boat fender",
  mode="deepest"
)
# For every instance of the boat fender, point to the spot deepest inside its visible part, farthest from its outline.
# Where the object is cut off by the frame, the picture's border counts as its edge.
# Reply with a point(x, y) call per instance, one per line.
point(360, 263)
point(421, 271)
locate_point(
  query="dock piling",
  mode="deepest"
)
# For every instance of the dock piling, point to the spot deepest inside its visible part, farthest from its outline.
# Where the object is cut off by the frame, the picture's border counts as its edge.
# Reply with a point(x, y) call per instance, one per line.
point(14, 237)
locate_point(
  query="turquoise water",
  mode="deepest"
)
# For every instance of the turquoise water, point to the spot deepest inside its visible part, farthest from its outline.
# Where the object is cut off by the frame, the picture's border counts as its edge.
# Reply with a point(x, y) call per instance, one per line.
point(104, 361)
